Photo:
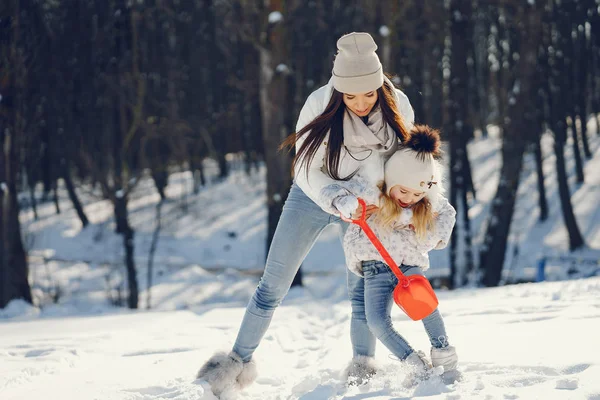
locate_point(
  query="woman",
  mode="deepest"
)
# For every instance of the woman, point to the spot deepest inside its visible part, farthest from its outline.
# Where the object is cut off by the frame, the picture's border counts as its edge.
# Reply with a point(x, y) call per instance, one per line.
point(353, 123)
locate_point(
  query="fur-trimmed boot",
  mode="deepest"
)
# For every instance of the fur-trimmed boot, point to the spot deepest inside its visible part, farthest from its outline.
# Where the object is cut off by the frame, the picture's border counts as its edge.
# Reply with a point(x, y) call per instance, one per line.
point(360, 370)
point(418, 368)
point(227, 374)
point(447, 358)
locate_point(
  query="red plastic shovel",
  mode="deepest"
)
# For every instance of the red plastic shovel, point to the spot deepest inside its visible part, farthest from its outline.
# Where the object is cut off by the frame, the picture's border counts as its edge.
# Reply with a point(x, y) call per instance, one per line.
point(413, 294)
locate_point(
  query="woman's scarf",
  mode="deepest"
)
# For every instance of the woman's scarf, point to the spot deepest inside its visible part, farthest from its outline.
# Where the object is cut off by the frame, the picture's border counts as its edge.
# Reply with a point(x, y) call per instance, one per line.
point(374, 135)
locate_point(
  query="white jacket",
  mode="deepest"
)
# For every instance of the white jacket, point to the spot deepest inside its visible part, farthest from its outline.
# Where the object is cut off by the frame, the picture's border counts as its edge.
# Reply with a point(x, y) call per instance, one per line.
point(402, 243)
point(317, 177)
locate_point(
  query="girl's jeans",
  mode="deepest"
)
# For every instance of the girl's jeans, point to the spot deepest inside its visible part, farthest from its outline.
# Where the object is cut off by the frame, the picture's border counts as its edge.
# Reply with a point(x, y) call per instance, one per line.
point(379, 284)
point(300, 224)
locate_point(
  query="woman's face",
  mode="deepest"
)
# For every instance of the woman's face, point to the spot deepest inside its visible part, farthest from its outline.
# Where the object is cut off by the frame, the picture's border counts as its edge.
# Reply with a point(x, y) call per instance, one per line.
point(406, 197)
point(361, 104)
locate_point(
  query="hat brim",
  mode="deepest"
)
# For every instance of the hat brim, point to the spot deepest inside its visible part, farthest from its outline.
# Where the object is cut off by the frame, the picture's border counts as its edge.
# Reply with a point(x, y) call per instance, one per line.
point(358, 84)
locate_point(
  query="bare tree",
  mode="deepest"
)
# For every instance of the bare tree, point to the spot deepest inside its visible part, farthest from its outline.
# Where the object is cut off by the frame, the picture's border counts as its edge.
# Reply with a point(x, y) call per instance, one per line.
point(527, 37)
point(274, 95)
point(16, 44)
point(458, 133)
point(559, 111)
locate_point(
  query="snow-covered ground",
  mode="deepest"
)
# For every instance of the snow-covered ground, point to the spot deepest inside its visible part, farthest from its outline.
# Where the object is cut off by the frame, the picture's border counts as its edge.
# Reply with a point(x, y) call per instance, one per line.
point(523, 341)
point(529, 341)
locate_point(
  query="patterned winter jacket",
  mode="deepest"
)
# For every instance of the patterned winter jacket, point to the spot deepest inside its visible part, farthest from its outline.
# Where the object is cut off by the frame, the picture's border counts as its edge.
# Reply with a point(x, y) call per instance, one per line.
point(401, 242)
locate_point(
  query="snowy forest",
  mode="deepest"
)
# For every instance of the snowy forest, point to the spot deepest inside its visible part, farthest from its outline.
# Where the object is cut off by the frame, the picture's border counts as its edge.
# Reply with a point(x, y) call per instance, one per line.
point(97, 96)
point(140, 168)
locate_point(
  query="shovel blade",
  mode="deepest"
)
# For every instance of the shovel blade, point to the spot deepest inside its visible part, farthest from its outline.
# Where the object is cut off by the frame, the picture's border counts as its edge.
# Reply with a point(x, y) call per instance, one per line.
point(417, 299)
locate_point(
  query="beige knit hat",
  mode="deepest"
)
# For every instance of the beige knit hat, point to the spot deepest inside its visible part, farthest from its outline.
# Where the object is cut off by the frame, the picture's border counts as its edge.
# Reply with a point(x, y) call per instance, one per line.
point(356, 68)
point(414, 165)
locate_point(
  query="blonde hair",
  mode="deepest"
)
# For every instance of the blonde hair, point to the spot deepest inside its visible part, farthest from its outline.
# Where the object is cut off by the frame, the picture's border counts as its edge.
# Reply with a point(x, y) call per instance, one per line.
point(390, 211)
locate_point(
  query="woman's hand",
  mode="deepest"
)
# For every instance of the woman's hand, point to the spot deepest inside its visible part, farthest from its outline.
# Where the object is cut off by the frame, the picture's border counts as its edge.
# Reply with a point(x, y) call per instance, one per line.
point(345, 205)
point(371, 209)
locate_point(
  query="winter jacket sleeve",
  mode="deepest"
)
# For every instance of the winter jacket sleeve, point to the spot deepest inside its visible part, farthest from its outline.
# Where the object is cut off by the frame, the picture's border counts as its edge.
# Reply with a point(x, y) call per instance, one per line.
point(342, 196)
point(439, 237)
point(330, 199)
point(405, 109)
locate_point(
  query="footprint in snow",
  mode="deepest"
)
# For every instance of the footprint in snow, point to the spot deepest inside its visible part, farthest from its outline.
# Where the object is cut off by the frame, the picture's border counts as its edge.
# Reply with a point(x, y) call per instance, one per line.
point(567, 384)
point(178, 390)
point(158, 351)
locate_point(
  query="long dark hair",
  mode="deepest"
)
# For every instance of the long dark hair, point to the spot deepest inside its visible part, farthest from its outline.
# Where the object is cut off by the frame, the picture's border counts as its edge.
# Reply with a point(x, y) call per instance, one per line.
point(331, 121)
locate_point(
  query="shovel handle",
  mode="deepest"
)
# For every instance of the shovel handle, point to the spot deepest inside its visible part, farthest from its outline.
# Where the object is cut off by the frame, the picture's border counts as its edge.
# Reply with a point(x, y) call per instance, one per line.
point(362, 222)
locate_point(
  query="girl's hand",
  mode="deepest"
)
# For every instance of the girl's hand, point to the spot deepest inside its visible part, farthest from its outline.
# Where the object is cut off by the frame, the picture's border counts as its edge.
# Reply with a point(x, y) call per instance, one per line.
point(371, 209)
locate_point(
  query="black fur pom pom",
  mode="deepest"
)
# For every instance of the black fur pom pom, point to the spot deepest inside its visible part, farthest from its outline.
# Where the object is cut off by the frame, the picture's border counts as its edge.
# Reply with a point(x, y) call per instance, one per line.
point(424, 140)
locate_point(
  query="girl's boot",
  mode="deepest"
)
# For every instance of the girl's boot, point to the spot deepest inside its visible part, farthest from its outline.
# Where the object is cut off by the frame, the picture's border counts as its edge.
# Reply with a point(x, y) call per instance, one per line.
point(418, 368)
point(446, 357)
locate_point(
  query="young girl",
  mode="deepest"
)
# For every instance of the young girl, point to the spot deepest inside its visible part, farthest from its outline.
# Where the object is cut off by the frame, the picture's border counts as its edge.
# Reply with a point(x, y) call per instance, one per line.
point(413, 219)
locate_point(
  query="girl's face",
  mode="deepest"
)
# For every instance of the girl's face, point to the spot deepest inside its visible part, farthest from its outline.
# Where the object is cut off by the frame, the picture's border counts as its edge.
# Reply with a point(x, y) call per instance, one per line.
point(361, 104)
point(406, 197)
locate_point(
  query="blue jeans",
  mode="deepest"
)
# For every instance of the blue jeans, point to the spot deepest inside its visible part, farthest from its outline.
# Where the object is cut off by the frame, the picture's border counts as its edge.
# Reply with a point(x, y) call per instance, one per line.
point(299, 226)
point(379, 284)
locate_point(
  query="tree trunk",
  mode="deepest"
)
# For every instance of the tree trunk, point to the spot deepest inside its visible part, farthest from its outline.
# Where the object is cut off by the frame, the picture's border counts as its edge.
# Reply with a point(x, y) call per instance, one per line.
point(595, 63)
point(466, 166)
point(542, 201)
point(520, 119)
point(14, 273)
point(160, 178)
point(275, 103)
point(46, 165)
point(153, 246)
point(584, 135)
point(128, 244)
point(32, 199)
point(460, 10)
point(273, 93)
point(468, 242)
point(222, 162)
point(197, 170)
point(481, 36)
point(581, 76)
point(595, 70)
point(5, 287)
point(494, 247)
point(215, 92)
point(66, 173)
point(572, 91)
point(575, 238)
point(201, 174)
point(559, 109)
point(13, 258)
point(55, 196)
point(16, 256)
point(123, 121)
point(576, 151)
point(14, 251)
